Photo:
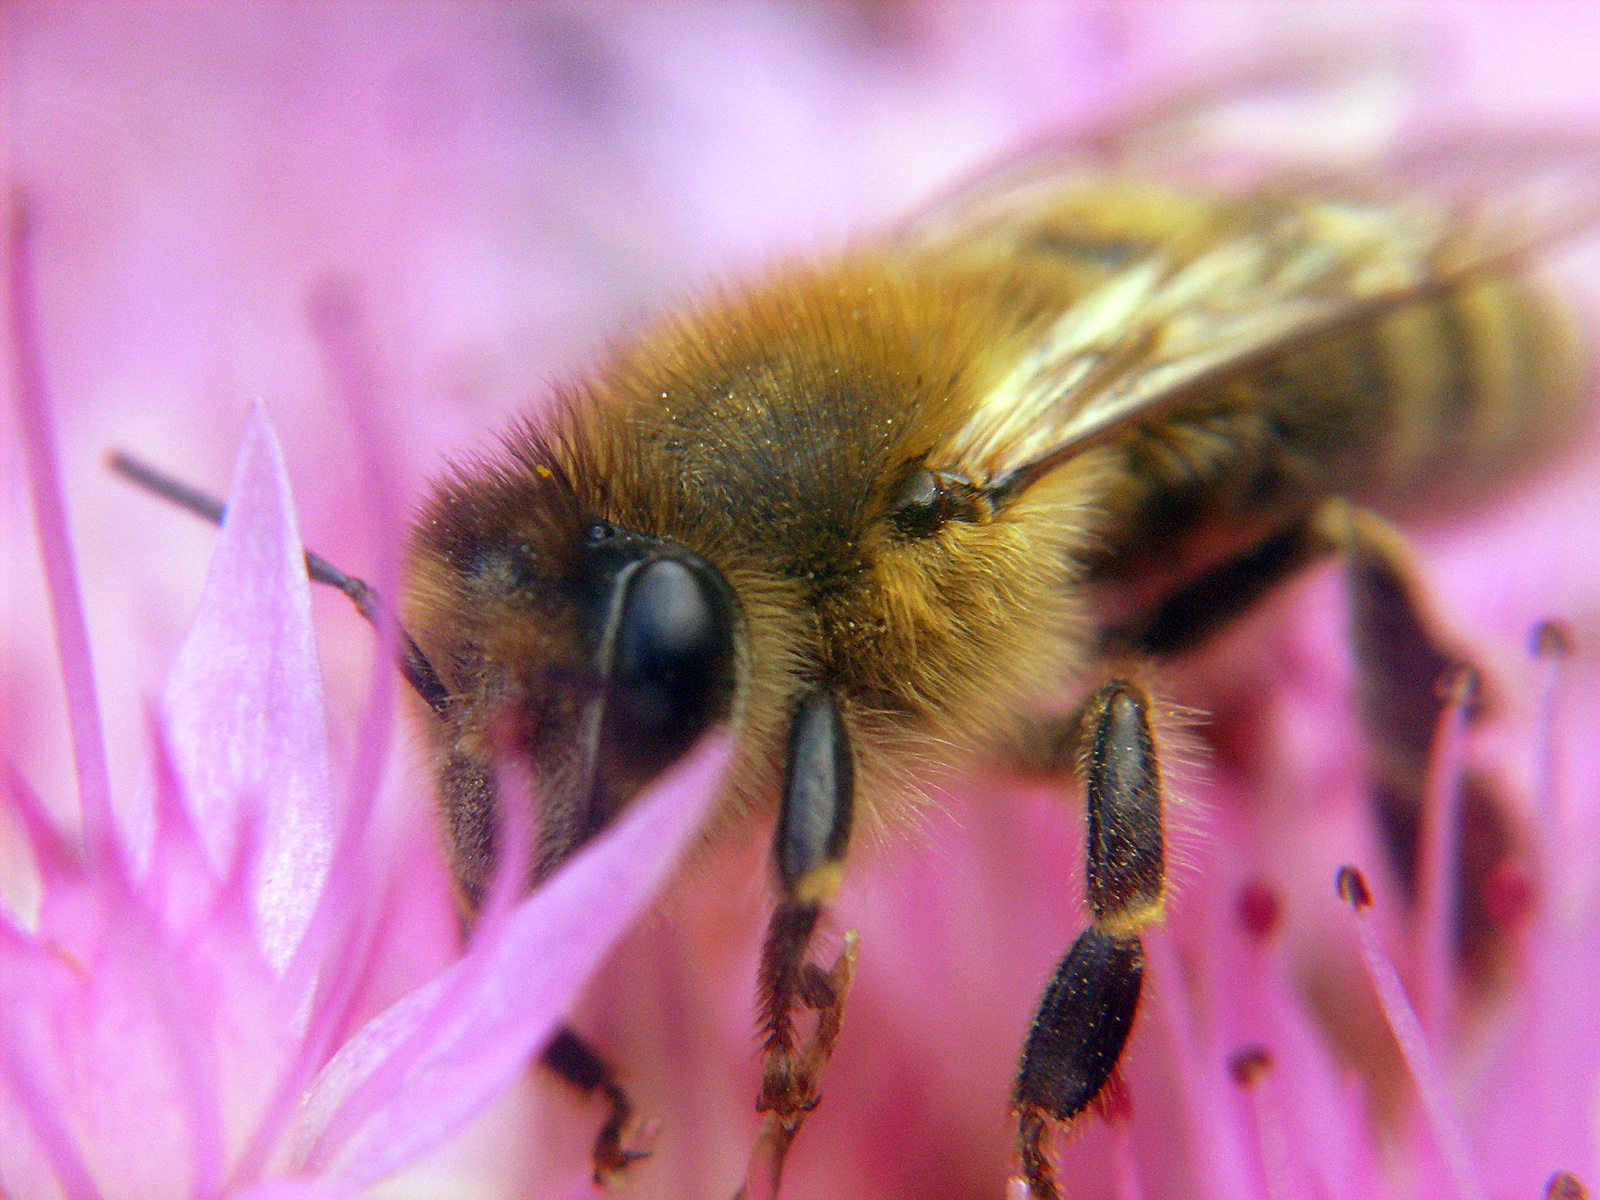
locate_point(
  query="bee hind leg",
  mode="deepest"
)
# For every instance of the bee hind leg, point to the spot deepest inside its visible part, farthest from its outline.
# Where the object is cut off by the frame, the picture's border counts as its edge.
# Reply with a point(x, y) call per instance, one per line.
point(1191, 613)
point(1088, 1008)
point(812, 835)
point(1409, 675)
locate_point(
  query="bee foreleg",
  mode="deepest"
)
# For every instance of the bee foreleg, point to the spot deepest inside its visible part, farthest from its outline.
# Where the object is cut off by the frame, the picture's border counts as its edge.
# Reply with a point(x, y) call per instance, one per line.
point(580, 1064)
point(572, 1058)
point(1083, 1021)
point(812, 835)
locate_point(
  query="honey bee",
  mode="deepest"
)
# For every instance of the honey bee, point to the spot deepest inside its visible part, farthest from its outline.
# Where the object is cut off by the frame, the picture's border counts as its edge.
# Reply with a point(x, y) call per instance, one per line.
point(875, 515)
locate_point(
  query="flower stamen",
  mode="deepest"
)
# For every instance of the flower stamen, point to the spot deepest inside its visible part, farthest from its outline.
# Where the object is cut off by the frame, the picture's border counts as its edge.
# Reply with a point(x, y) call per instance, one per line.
point(1409, 1036)
point(1250, 1067)
point(1259, 910)
point(1220, 1158)
point(55, 543)
point(1551, 645)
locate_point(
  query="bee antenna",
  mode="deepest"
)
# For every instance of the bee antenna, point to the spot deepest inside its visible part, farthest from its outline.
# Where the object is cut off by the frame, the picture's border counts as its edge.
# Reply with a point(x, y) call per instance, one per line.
point(414, 665)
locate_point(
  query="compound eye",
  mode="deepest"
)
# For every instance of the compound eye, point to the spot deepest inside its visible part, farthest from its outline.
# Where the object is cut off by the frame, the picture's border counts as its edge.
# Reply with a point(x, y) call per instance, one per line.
point(917, 507)
point(672, 665)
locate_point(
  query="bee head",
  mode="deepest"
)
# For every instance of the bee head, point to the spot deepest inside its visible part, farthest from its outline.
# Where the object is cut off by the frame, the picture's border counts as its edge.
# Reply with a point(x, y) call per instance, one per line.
point(597, 653)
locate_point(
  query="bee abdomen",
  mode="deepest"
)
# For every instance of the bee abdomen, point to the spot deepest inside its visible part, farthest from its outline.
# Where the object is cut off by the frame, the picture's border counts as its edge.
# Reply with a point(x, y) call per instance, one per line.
point(1475, 385)
point(1431, 405)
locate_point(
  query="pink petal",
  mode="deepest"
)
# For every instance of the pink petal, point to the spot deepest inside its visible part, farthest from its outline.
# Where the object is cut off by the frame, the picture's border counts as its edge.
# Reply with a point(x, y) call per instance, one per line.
point(57, 863)
point(180, 885)
point(71, 911)
point(244, 704)
point(298, 1189)
point(41, 1149)
point(470, 1031)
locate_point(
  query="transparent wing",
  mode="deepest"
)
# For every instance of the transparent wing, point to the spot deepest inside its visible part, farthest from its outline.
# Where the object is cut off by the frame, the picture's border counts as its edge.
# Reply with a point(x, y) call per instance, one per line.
point(1322, 104)
point(1230, 269)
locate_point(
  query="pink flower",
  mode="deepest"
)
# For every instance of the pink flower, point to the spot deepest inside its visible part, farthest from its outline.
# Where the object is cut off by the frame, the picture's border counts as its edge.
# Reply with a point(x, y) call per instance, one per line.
point(511, 187)
point(182, 1018)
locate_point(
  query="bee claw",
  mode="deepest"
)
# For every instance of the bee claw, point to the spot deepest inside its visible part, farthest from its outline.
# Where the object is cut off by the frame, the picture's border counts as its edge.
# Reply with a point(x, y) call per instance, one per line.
point(789, 1082)
point(612, 1158)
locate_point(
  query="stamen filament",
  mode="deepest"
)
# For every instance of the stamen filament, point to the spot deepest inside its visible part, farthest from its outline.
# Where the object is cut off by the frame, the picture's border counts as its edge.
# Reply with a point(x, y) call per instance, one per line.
point(1567, 891)
point(55, 544)
point(1551, 647)
point(1220, 1159)
point(1250, 1068)
point(1409, 1036)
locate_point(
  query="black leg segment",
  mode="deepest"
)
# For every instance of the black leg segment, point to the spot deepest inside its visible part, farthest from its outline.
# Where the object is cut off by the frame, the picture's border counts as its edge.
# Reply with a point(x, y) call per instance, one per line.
point(1127, 859)
point(1081, 1027)
point(1188, 616)
point(809, 845)
point(818, 800)
point(1088, 1010)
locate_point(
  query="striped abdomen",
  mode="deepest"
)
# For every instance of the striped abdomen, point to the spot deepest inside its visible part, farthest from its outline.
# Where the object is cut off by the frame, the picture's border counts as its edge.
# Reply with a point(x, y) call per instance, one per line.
point(1430, 405)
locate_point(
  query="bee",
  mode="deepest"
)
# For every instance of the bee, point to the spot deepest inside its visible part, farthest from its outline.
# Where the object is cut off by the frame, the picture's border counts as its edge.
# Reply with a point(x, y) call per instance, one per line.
point(876, 515)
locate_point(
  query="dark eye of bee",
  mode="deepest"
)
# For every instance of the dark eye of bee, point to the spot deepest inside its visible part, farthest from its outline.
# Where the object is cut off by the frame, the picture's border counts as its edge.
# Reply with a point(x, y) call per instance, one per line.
point(918, 505)
point(672, 662)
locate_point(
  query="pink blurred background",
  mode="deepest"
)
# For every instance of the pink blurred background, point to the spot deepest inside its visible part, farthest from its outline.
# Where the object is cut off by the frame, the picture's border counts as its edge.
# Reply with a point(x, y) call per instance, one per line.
point(511, 187)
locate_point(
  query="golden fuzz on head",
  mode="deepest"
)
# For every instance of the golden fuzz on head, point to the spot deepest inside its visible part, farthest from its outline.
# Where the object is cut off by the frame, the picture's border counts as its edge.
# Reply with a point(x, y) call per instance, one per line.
point(767, 433)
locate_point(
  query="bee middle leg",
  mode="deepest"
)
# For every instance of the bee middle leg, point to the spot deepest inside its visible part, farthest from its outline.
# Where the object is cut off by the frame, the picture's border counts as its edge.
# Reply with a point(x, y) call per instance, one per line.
point(1088, 1008)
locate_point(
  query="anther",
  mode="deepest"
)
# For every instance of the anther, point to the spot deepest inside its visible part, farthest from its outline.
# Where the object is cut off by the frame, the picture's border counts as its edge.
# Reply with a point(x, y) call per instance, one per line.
point(1259, 910)
point(1353, 889)
point(1409, 1036)
point(1551, 639)
point(1564, 1185)
point(1249, 1064)
point(1510, 894)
